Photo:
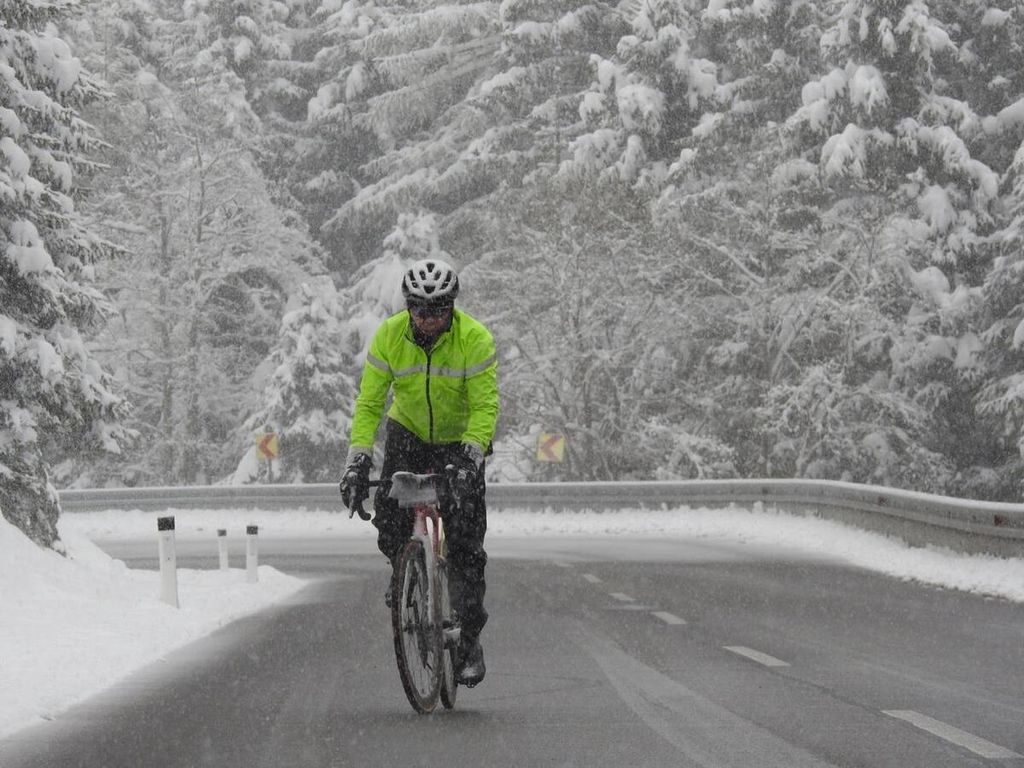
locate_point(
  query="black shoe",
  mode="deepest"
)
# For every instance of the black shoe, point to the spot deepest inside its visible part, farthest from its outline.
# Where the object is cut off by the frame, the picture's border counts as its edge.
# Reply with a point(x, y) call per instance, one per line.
point(471, 669)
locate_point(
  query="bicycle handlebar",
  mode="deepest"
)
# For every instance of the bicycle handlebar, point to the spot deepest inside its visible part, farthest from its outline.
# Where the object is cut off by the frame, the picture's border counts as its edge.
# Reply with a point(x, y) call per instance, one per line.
point(364, 515)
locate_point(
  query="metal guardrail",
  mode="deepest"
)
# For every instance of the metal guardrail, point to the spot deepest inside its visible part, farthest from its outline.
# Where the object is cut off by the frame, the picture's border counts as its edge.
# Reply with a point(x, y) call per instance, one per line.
point(920, 519)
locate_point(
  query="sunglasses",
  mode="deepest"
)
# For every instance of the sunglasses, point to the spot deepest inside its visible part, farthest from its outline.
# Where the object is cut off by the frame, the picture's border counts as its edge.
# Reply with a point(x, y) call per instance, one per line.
point(421, 311)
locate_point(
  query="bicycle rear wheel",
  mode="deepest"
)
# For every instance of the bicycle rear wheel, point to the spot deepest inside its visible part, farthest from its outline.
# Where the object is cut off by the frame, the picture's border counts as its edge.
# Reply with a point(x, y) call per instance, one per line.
point(418, 639)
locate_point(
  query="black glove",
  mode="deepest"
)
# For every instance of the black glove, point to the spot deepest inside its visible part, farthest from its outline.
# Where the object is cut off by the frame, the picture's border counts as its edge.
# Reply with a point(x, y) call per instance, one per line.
point(355, 484)
point(464, 471)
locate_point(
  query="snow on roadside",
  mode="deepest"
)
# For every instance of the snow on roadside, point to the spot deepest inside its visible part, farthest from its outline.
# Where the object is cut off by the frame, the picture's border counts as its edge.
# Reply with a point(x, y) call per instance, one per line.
point(982, 574)
point(73, 626)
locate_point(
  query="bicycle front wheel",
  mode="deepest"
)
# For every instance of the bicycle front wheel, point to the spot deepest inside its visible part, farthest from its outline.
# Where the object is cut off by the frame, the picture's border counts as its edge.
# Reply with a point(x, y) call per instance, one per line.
point(449, 685)
point(417, 634)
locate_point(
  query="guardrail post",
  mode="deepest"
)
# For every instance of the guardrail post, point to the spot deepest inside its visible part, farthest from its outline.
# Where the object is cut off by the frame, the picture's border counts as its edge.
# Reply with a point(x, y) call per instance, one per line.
point(252, 553)
point(222, 547)
point(168, 561)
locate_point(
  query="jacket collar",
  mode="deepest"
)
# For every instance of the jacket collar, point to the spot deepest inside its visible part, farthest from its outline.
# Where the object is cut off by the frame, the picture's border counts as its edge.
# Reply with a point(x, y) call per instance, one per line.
point(410, 333)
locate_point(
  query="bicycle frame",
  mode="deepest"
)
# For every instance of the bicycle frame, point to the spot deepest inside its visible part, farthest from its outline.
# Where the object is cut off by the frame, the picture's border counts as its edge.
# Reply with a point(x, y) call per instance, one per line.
point(428, 529)
point(416, 633)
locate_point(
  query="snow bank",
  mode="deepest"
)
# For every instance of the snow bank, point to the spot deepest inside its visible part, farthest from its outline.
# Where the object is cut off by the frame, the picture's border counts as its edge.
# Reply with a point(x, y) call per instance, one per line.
point(74, 626)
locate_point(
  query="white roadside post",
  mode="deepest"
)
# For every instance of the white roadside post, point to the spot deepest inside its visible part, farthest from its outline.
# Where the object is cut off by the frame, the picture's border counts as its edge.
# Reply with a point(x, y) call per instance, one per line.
point(251, 553)
point(168, 561)
point(222, 547)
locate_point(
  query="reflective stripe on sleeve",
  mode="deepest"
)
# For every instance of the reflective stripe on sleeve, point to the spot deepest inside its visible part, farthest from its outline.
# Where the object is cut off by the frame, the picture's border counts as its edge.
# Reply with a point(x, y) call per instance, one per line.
point(482, 366)
point(380, 364)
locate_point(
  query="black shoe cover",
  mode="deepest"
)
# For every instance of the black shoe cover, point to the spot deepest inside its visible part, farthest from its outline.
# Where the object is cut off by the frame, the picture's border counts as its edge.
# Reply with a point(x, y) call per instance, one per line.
point(471, 669)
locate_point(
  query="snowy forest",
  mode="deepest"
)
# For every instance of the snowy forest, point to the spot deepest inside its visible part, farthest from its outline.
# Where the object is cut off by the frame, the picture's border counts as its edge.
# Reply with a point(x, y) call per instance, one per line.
point(712, 238)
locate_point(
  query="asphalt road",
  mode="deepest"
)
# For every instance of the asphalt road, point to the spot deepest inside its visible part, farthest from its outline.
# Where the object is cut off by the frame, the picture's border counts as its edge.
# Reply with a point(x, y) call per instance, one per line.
point(628, 653)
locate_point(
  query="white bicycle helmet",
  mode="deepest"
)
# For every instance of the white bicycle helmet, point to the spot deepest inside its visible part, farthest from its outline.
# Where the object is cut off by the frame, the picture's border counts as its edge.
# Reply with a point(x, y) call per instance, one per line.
point(430, 281)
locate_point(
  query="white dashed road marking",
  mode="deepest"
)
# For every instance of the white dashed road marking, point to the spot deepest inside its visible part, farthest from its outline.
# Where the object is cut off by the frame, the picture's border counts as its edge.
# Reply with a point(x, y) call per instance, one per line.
point(952, 734)
point(975, 744)
point(703, 732)
point(760, 658)
point(631, 607)
point(668, 618)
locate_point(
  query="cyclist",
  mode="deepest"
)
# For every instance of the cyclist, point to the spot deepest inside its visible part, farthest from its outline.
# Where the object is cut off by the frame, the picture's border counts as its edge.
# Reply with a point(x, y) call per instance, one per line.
point(441, 366)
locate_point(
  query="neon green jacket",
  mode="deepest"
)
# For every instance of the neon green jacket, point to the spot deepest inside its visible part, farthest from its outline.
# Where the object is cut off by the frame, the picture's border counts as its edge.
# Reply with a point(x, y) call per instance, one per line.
point(447, 396)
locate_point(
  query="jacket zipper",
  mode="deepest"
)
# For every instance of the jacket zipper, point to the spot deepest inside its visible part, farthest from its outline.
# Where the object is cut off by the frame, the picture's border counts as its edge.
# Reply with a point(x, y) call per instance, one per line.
point(430, 406)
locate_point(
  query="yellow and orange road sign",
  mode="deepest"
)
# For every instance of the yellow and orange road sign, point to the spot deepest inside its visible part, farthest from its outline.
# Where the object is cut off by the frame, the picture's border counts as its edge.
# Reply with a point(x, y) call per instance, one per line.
point(550, 447)
point(266, 446)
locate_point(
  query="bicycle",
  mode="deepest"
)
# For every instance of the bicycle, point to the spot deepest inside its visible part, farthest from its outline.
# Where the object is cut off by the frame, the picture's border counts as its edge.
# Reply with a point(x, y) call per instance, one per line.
point(425, 633)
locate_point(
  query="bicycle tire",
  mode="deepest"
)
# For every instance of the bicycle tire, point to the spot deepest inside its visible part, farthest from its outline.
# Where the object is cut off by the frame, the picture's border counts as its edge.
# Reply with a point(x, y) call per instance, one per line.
point(449, 685)
point(417, 634)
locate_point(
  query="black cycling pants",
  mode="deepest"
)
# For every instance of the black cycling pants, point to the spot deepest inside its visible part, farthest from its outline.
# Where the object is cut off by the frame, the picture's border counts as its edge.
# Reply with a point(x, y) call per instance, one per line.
point(464, 527)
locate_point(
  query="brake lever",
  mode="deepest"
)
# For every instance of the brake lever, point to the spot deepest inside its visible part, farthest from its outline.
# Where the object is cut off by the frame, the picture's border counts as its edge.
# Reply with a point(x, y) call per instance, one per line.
point(363, 514)
point(358, 507)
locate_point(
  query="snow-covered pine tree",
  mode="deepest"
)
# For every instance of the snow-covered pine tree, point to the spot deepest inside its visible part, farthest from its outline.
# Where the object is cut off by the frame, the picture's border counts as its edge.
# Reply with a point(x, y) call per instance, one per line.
point(319, 354)
point(459, 99)
point(906, 208)
point(764, 53)
point(241, 41)
point(517, 121)
point(212, 258)
point(532, 98)
point(307, 398)
point(740, 228)
point(645, 98)
point(655, 100)
point(323, 164)
point(258, 51)
point(304, 160)
point(994, 47)
point(592, 329)
point(53, 393)
point(401, 74)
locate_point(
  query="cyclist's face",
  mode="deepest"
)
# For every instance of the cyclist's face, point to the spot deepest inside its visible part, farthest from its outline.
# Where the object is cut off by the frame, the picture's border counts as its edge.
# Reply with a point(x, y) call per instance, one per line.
point(430, 320)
